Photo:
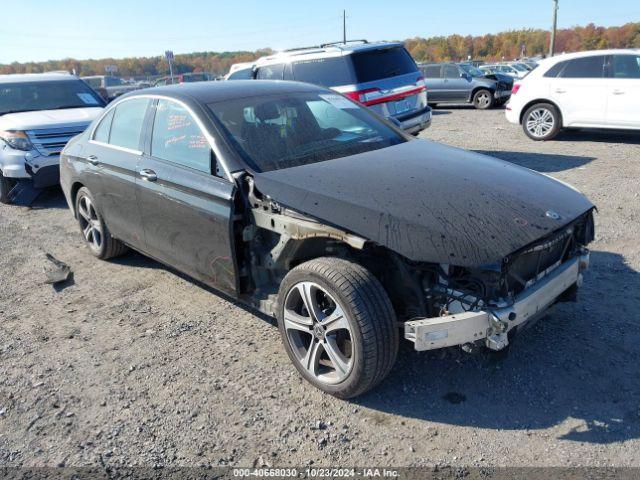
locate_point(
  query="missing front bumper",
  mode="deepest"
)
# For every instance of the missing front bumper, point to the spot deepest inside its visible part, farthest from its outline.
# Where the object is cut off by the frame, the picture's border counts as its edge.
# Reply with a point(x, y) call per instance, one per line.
point(492, 326)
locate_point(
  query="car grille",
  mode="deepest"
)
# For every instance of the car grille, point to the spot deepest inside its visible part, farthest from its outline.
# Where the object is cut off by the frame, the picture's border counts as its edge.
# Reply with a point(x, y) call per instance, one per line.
point(534, 262)
point(51, 141)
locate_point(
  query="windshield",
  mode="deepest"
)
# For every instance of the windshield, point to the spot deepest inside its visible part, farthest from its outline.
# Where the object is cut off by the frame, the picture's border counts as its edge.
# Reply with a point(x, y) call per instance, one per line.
point(54, 95)
point(520, 68)
point(471, 70)
point(281, 131)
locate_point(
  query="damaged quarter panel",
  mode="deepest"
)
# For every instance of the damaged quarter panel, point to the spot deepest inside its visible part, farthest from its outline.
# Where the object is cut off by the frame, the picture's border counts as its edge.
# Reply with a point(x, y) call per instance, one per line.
point(430, 202)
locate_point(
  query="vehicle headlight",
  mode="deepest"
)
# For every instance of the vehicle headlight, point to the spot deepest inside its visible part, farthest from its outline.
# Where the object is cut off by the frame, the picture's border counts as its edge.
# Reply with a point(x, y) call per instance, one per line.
point(16, 139)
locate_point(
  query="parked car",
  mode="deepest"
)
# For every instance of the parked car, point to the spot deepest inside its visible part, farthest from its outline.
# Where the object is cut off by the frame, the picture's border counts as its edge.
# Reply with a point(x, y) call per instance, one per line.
point(39, 113)
point(305, 205)
point(382, 76)
point(240, 71)
point(182, 78)
point(596, 89)
point(109, 87)
point(464, 83)
point(504, 69)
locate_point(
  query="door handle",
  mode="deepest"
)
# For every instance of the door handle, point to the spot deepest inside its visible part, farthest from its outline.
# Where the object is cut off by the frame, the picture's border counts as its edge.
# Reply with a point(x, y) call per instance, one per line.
point(93, 160)
point(618, 92)
point(559, 90)
point(148, 175)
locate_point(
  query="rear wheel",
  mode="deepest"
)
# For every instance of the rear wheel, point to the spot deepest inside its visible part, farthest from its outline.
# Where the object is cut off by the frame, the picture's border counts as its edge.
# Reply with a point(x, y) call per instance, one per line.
point(6, 185)
point(483, 99)
point(541, 121)
point(337, 325)
point(94, 231)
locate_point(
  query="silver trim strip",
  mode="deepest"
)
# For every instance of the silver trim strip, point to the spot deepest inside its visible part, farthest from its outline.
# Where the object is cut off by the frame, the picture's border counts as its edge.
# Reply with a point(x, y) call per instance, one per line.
point(116, 147)
point(210, 139)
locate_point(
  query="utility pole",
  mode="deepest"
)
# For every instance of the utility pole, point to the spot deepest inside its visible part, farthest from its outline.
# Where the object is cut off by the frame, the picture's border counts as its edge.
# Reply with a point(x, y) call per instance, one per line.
point(552, 43)
point(344, 27)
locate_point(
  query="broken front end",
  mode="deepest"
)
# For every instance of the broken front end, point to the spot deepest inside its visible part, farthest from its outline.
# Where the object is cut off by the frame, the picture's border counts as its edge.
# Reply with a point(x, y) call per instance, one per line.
point(471, 307)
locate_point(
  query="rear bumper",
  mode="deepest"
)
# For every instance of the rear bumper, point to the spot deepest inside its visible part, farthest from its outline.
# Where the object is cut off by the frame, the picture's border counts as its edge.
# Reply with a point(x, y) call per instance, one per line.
point(493, 326)
point(415, 122)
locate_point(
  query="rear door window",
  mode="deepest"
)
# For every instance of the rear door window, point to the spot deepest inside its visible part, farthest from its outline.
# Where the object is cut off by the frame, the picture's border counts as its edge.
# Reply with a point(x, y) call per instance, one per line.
point(328, 72)
point(127, 123)
point(376, 64)
point(586, 67)
point(431, 71)
point(270, 72)
point(177, 138)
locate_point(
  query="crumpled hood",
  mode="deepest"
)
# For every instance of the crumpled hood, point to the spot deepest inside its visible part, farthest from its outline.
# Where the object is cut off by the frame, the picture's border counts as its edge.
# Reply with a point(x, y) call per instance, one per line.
point(67, 117)
point(430, 202)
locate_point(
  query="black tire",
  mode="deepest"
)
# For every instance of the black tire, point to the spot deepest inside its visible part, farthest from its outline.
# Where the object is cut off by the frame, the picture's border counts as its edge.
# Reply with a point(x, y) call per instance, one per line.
point(374, 334)
point(538, 112)
point(107, 247)
point(483, 99)
point(6, 185)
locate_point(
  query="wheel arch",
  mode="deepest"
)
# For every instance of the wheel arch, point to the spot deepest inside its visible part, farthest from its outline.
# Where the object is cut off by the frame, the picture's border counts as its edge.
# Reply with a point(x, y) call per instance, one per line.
point(73, 192)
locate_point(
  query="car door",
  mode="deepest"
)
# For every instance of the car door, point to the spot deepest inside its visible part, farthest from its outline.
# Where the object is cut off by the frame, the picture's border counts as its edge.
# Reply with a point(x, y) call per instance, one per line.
point(580, 90)
point(435, 83)
point(455, 87)
point(112, 157)
point(623, 91)
point(186, 204)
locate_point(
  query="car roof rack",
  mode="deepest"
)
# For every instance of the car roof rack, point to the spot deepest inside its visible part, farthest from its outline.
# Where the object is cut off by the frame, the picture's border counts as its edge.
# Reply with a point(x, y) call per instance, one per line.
point(337, 44)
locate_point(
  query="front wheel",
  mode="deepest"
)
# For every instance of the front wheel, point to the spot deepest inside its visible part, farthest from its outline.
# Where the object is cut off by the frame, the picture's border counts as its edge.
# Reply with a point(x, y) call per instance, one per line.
point(337, 325)
point(541, 121)
point(483, 99)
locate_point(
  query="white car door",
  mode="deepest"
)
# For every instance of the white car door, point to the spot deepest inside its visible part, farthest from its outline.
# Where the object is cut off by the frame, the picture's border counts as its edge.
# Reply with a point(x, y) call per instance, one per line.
point(623, 109)
point(580, 90)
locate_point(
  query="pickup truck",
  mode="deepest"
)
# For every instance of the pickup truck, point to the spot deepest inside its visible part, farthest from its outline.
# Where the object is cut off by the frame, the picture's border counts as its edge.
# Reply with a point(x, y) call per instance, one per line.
point(39, 114)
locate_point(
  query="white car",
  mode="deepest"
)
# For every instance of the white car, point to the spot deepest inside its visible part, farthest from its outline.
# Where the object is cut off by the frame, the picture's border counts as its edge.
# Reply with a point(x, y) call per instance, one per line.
point(596, 89)
point(504, 69)
point(39, 113)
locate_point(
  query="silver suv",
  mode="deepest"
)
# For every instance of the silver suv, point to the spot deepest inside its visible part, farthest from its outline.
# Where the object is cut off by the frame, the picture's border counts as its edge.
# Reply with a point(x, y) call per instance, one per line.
point(382, 76)
point(39, 113)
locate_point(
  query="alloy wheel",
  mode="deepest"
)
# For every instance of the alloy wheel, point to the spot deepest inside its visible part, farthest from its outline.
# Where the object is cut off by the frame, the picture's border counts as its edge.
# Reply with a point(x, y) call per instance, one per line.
point(484, 100)
point(318, 332)
point(540, 122)
point(90, 223)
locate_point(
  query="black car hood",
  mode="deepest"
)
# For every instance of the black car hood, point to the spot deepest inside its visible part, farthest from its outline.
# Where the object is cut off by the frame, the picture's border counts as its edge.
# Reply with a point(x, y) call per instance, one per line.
point(429, 202)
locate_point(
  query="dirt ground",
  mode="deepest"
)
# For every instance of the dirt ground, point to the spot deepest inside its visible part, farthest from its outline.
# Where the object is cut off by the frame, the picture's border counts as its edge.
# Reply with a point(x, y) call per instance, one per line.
point(133, 364)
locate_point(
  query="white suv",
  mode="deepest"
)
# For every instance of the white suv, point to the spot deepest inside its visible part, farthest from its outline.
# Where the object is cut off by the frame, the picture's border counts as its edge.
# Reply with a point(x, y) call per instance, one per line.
point(39, 113)
point(597, 89)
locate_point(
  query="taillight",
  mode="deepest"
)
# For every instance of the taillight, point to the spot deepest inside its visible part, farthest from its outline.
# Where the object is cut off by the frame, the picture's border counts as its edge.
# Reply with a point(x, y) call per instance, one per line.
point(516, 87)
point(361, 95)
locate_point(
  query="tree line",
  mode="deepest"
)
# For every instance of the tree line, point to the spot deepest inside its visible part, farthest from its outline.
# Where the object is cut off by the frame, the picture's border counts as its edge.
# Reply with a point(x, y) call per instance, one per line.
point(504, 45)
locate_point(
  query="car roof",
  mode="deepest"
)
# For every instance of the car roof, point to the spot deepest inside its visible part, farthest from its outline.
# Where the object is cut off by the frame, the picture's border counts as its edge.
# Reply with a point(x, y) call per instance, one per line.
point(589, 53)
point(213, 91)
point(326, 50)
point(36, 77)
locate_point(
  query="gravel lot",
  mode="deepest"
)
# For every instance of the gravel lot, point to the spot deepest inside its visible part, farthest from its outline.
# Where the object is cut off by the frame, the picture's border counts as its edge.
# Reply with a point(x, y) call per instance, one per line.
point(133, 364)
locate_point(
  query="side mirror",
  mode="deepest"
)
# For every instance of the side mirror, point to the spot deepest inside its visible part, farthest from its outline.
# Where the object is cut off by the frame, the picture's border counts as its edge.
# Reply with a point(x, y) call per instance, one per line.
point(465, 75)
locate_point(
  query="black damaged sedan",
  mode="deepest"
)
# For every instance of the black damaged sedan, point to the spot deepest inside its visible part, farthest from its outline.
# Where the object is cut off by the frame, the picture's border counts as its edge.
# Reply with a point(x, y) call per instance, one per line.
point(307, 206)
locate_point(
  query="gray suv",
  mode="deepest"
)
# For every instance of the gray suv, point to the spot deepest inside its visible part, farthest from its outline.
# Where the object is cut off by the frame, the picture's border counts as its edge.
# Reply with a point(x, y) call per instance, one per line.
point(382, 76)
point(464, 83)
